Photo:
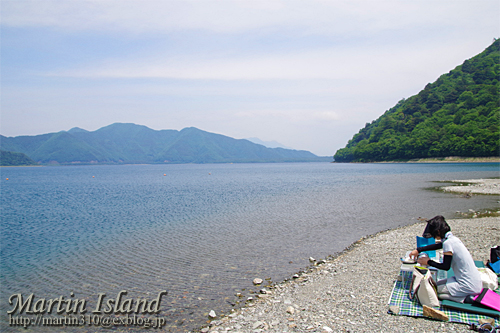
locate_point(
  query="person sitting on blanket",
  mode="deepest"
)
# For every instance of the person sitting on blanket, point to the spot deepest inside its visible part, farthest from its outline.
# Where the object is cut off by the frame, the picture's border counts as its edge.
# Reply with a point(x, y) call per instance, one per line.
point(467, 280)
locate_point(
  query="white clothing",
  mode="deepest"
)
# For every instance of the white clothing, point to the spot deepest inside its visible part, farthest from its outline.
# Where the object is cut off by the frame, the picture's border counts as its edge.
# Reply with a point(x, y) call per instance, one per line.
point(467, 280)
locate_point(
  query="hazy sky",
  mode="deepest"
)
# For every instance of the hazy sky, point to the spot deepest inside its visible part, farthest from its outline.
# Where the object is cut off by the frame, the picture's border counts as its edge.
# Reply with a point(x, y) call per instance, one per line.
point(308, 74)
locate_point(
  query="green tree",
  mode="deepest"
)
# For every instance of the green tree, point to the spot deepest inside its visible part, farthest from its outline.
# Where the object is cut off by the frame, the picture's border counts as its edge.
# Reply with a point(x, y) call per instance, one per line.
point(457, 115)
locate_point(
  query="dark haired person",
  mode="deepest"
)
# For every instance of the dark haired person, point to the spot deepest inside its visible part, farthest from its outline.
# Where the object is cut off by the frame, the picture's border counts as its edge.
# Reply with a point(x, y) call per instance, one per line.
point(467, 280)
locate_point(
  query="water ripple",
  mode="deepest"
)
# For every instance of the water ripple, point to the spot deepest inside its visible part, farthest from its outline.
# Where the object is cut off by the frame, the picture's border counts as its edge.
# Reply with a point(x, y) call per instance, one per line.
point(202, 232)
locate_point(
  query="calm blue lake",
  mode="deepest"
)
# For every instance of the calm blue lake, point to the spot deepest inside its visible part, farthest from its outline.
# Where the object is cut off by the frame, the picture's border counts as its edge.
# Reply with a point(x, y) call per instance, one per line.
point(202, 232)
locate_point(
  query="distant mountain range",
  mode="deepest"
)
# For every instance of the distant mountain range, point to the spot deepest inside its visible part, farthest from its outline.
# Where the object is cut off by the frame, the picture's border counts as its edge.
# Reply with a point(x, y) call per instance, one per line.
point(268, 144)
point(121, 143)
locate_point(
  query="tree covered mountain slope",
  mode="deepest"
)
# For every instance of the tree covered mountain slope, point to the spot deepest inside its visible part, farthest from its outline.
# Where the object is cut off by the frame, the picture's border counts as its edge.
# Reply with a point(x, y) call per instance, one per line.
point(8, 158)
point(131, 143)
point(457, 115)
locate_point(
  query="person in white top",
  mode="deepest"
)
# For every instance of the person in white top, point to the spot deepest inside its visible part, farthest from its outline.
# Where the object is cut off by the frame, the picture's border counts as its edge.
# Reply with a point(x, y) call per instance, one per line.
point(467, 280)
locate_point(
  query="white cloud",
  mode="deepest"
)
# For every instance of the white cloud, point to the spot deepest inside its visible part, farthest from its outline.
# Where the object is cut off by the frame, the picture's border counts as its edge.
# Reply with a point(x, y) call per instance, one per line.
point(224, 16)
point(355, 39)
point(358, 62)
point(304, 73)
point(289, 115)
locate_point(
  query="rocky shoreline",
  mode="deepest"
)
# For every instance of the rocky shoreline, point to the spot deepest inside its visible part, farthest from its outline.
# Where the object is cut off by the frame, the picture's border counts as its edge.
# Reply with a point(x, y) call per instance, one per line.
point(475, 186)
point(449, 159)
point(349, 293)
point(457, 159)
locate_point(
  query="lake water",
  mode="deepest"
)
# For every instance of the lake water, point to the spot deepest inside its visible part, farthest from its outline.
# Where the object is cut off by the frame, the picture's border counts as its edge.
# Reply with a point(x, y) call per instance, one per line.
point(201, 232)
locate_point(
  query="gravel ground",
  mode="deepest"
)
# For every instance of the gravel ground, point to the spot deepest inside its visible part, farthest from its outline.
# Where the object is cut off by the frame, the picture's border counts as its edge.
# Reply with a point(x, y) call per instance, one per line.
point(475, 186)
point(350, 293)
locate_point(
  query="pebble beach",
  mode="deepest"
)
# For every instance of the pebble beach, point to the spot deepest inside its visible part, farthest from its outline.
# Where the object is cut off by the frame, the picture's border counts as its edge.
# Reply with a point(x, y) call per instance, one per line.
point(350, 292)
point(475, 186)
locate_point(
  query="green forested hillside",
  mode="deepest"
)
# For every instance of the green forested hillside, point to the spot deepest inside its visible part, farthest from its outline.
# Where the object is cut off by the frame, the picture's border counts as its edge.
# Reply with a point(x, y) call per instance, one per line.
point(458, 115)
point(8, 158)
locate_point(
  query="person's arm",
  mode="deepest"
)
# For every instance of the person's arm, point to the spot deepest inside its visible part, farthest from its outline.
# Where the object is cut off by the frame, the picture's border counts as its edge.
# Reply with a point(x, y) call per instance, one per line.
point(431, 247)
point(445, 265)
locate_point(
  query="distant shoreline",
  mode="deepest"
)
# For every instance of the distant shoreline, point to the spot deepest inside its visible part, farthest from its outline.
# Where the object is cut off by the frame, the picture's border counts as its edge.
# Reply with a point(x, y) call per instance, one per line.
point(449, 159)
point(180, 163)
point(456, 159)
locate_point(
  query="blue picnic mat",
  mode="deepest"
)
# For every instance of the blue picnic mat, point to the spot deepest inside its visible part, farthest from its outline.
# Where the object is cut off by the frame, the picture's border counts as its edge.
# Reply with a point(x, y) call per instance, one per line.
point(412, 308)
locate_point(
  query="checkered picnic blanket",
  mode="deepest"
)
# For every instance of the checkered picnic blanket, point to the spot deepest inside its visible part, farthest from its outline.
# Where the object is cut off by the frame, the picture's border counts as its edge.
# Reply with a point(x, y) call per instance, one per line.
point(412, 308)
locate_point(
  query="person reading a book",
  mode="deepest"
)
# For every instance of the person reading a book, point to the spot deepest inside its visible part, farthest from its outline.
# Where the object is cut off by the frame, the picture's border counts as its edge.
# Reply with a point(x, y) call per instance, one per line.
point(467, 280)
